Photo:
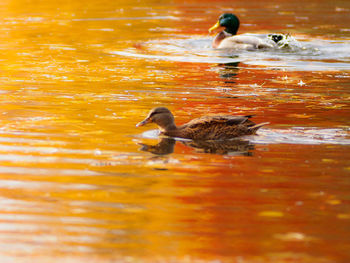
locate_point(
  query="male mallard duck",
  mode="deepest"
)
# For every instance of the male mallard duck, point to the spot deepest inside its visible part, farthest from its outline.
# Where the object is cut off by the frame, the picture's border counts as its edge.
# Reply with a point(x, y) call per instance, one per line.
point(228, 38)
point(212, 127)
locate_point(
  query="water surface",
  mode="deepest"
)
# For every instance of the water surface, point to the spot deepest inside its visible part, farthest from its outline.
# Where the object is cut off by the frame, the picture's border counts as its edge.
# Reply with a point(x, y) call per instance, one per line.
point(78, 180)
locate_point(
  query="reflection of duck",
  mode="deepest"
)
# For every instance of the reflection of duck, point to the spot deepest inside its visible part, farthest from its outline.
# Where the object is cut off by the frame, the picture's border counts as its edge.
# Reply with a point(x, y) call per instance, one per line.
point(228, 38)
point(236, 146)
point(212, 127)
point(165, 146)
point(229, 71)
point(233, 147)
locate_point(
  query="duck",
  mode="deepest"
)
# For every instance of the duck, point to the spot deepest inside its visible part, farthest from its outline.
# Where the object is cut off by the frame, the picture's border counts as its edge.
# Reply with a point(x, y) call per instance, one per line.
point(228, 38)
point(211, 127)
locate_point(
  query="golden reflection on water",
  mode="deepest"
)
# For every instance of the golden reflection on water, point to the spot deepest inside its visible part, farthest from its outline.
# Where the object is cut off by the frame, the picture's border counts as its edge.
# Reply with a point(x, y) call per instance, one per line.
point(75, 185)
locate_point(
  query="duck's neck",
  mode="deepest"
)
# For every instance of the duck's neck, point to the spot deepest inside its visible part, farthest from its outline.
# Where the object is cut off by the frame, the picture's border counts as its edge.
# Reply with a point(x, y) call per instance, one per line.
point(231, 30)
point(219, 37)
point(167, 128)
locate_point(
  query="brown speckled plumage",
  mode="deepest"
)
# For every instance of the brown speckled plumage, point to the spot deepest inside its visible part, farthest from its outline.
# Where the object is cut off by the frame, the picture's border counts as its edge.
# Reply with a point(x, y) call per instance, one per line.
point(212, 127)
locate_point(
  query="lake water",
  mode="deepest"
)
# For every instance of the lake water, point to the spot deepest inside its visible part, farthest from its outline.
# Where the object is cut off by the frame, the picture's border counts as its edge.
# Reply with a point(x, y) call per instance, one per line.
point(78, 180)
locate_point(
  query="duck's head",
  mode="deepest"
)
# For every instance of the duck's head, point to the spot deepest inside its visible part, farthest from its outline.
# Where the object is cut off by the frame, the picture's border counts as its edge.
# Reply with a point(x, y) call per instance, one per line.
point(160, 116)
point(229, 21)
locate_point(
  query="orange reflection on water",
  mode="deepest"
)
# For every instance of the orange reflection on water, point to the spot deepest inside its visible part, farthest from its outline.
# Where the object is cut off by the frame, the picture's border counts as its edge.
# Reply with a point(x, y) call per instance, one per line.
point(75, 184)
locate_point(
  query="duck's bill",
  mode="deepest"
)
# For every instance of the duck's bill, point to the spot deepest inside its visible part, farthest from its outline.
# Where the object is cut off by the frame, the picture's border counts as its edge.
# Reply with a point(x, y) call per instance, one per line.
point(144, 122)
point(217, 25)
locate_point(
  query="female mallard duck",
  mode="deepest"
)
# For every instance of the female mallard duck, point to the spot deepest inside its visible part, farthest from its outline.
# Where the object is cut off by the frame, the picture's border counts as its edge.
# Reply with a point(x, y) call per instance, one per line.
point(228, 38)
point(213, 127)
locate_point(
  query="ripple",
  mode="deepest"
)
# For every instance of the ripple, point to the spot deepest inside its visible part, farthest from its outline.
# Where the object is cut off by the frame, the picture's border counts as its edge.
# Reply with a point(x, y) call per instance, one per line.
point(300, 135)
point(46, 171)
point(303, 55)
point(295, 135)
point(188, 58)
point(125, 18)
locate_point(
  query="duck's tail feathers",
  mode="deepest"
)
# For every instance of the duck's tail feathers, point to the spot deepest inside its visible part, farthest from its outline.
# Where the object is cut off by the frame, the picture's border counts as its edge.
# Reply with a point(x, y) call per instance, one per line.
point(256, 127)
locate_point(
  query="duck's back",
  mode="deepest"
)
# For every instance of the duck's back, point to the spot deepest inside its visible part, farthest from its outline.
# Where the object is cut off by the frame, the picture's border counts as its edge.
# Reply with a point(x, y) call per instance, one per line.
point(245, 42)
point(215, 127)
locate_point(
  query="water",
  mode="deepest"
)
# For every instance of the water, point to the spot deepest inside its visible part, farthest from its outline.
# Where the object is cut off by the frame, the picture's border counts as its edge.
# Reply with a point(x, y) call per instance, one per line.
point(311, 55)
point(78, 180)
